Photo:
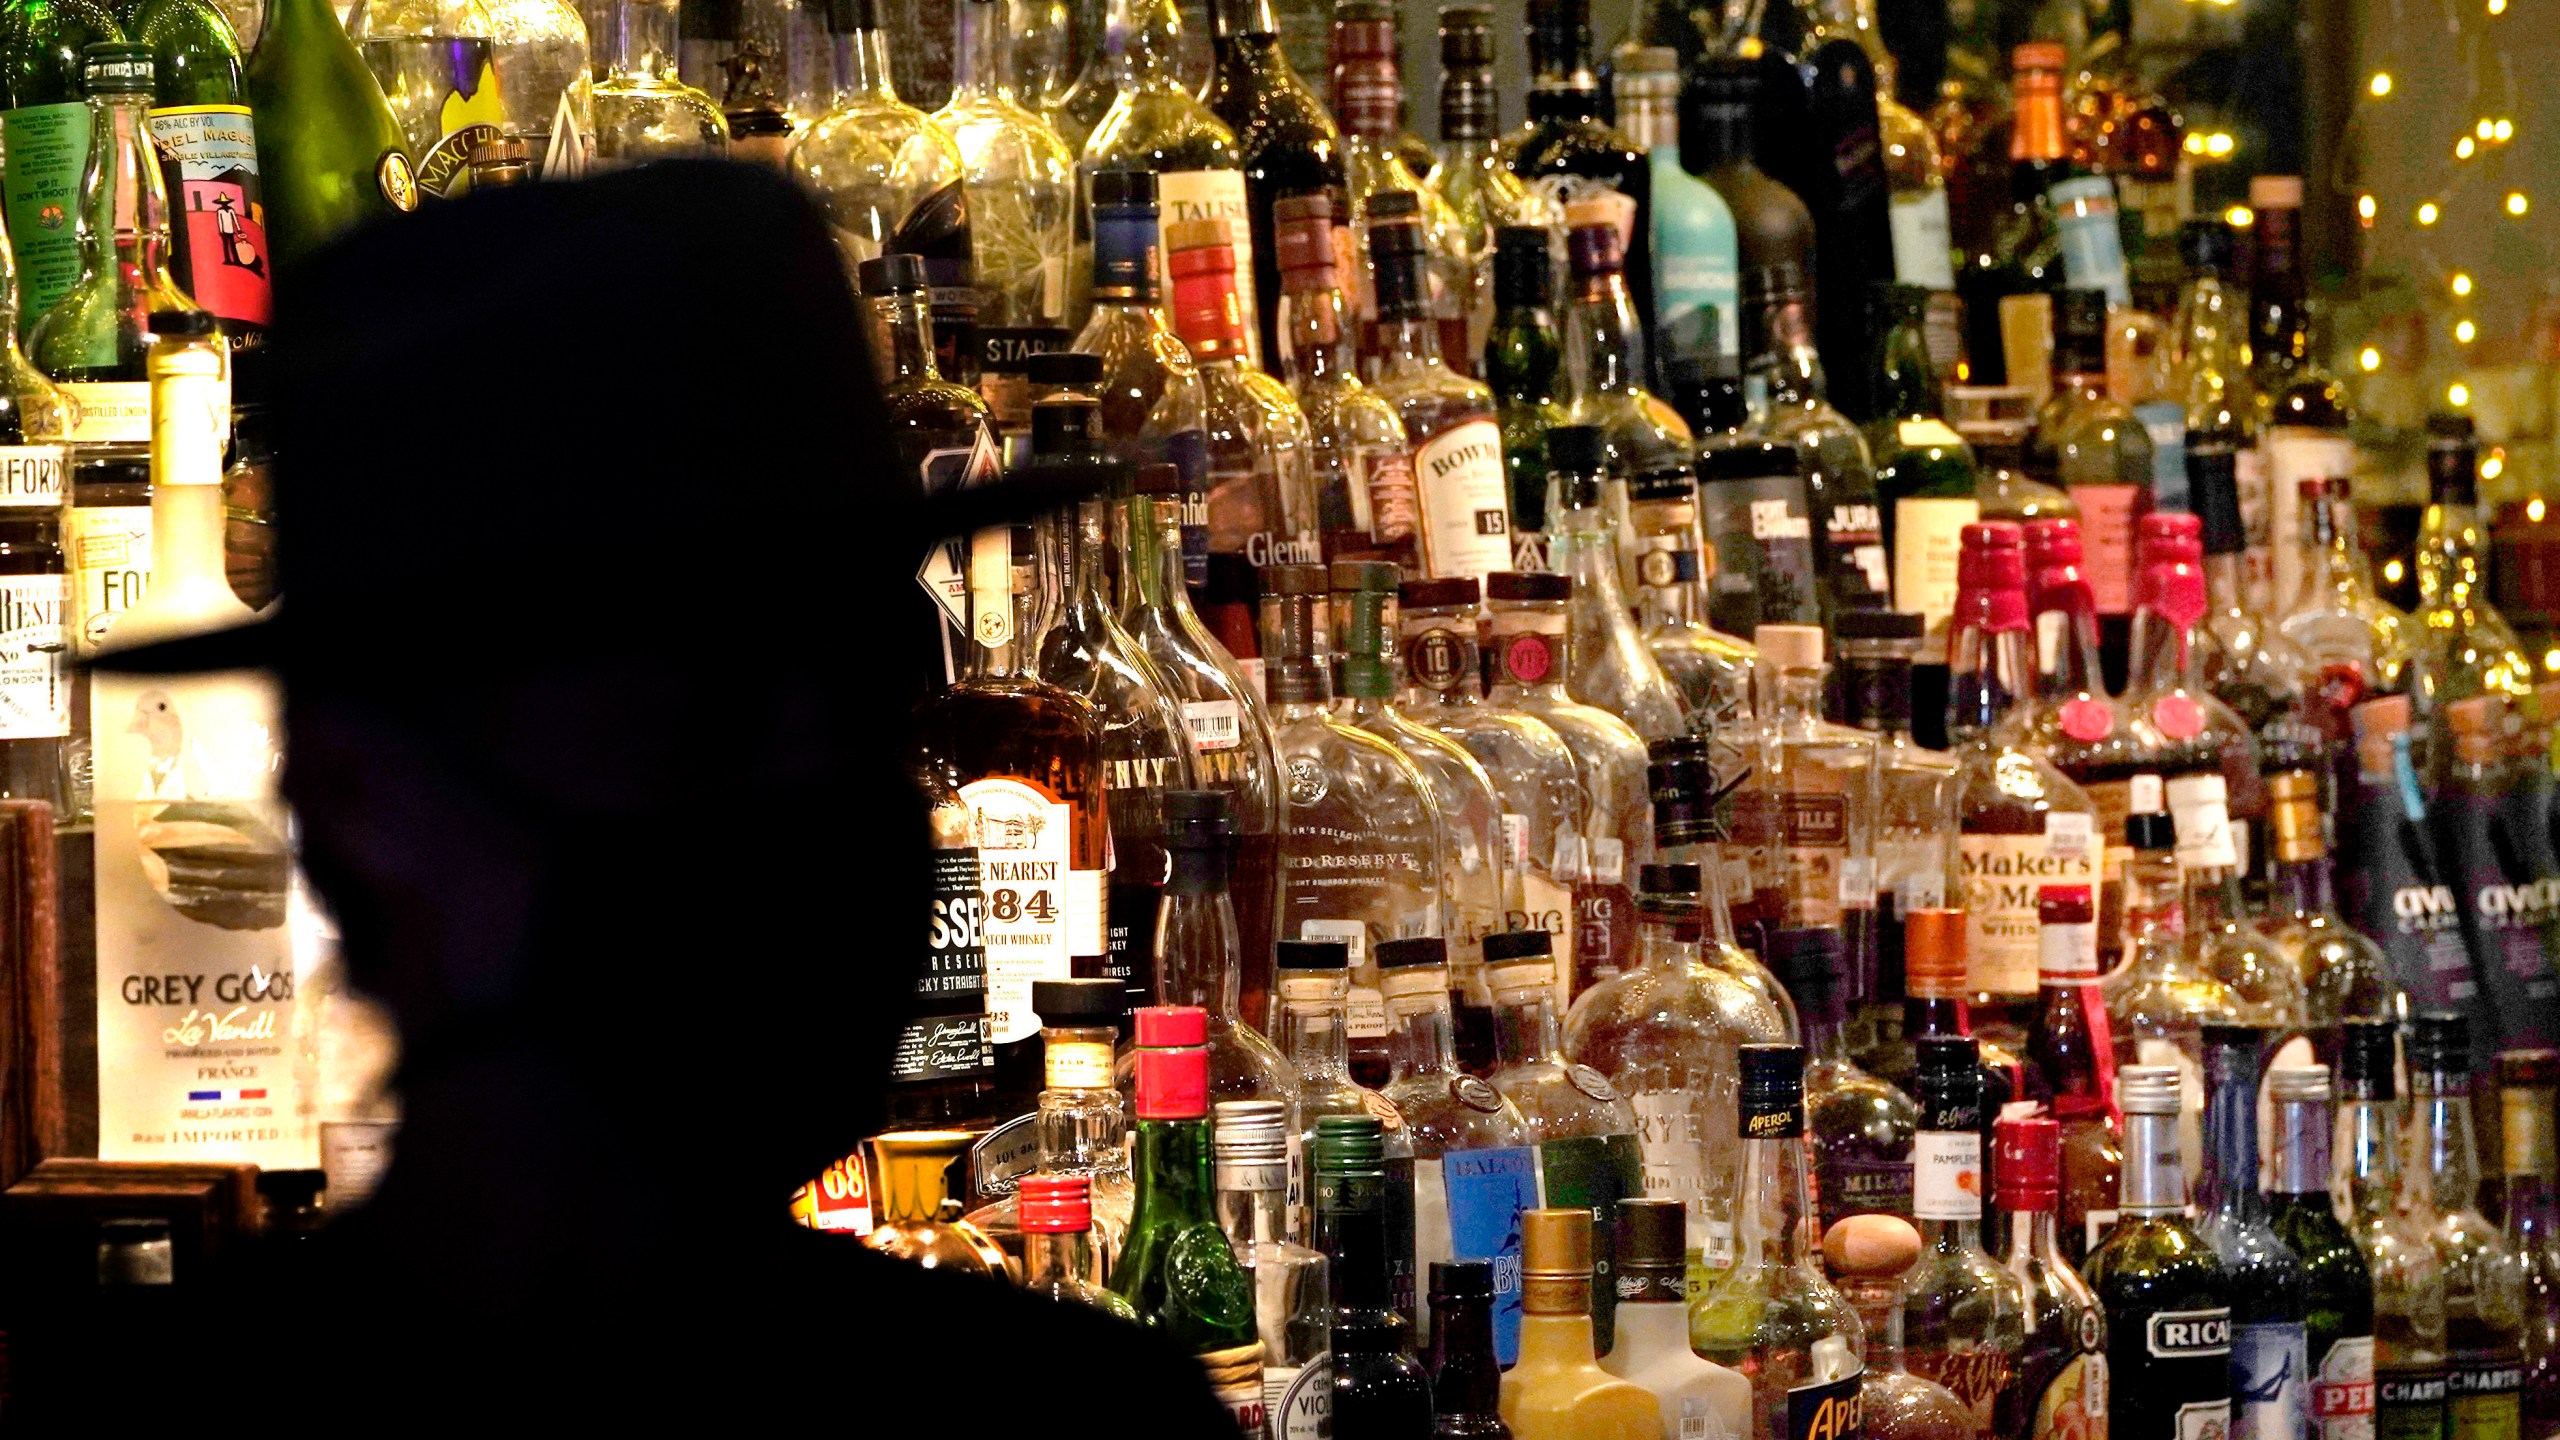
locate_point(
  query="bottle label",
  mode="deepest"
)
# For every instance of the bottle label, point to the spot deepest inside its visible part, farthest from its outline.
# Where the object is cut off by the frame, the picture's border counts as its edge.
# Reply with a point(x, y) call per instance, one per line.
point(2342, 1394)
point(1214, 724)
point(1946, 1175)
point(1299, 1400)
point(1466, 509)
point(1129, 933)
point(31, 475)
point(1697, 268)
point(1076, 1065)
point(1975, 1377)
point(2108, 514)
point(1671, 1139)
point(1488, 1191)
point(2514, 914)
point(1762, 531)
point(1383, 475)
point(2165, 421)
point(2271, 505)
point(1594, 1173)
point(2389, 891)
point(2074, 1403)
point(1927, 535)
point(1025, 879)
point(1846, 1185)
point(48, 146)
point(1004, 359)
point(1813, 823)
point(109, 549)
point(1214, 195)
point(2067, 954)
point(2085, 221)
point(1549, 906)
point(1235, 1374)
point(838, 1200)
point(1923, 240)
point(1604, 923)
point(217, 219)
point(1828, 1411)
point(1436, 658)
point(949, 1035)
point(2409, 1404)
point(2204, 1420)
point(2483, 1395)
point(2187, 1334)
point(2269, 1366)
point(2001, 875)
point(35, 691)
point(110, 412)
point(1530, 646)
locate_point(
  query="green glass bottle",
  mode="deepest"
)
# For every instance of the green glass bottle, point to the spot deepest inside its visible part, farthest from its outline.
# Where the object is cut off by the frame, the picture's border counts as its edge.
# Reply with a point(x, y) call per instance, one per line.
point(2167, 1298)
point(1177, 1267)
point(329, 152)
point(2338, 1284)
point(1524, 365)
point(209, 160)
point(1925, 476)
point(46, 132)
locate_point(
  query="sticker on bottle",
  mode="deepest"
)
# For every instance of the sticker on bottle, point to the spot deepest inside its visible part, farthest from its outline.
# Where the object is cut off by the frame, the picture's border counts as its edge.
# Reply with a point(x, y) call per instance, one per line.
point(1299, 1400)
point(110, 412)
point(2001, 875)
point(48, 146)
point(1828, 1411)
point(1031, 920)
point(2071, 836)
point(1475, 1094)
point(109, 549)
point(31, 475)
point(2268, 1369)
point(1923, 243)
point(1671, 1139)
point(2342, 1398)
point(1946, 1175)
point(1214, 724)
point(35, 687)
point(2197, 809)
point(1858, 882)
point(1608, 859)
point(1515, 839)
point(1488, 1191)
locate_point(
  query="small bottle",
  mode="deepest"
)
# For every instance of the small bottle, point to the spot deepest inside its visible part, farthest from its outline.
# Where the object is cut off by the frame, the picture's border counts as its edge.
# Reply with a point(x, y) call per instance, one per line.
point(1292, 1301)
point(1466, 1381)
point(2158, 1002)
point(1082, 1124)
point(1613, 669)
point(2061, 1379)
point(1558, 1391)
point(2526, 1079)
point(1863, 1126)
point(2390, 1222)
point(2269, 1350)
point(1700, 1400)
point(2337, 1283)
point(1057, 1243)
point(2345, 976)
point(2166, 1295)
point(1378, 1387)
point(1963, 1316)
point(919, 1217)
point(1871, 1254)
point(2071, 1046)
point(2483, 1277)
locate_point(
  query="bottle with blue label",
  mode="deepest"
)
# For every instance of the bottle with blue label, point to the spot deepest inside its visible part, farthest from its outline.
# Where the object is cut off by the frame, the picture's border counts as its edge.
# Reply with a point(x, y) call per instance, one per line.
point(1697, 264)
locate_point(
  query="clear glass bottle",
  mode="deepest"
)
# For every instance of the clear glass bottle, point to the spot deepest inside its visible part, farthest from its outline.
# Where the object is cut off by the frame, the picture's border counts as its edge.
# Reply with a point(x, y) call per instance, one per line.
point(2390, 1221)
point(1605, 366)
point(2061, 1378)
point(1472, 175)
point(2463, 647)
point(1152, 399)
point(2209, 375)
point(1690, 831)
point(1449, 419)
point(2357, 643)
point(2094, 448)
point(544, 81)
point(1699, 1399)
point(643, 113)
point(1082, 1122)
point(1261, 488)
point(1197, 959)
point(1963, 1316)
point(2484, 1290)
point(1524, 364)
point(1558, 1098)
point(1368, 94)
point(1869, 1258)
point(1475, 885)
point(1774, 1317)
point(1363, 467)
point(2344, 975)
point(2337, 1284)
point(1915, 846)
point(2526, 1079)
point(1615, 669)
point(1253, 1144)
point(2175, 726)
point(1558, 1391)
point(2222, 941)
point(437, 65)
point(2168, 1299)
point(2249, 665)
point(1019, 176)
point(1314, 990)
point(1996, 420)
point(1785, 374)
point(1820, 780)
point(2158, 1001)
point(2270, 1366)
point(1709, 669)
point(1057, 1244)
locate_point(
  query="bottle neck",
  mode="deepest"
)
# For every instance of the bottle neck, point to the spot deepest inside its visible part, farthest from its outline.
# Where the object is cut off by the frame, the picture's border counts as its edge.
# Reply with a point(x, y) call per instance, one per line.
point(1253, 1202)
point(1466, 1380)
point(1057, 1260)
point(124, 217)
point(1082, 1130)
point(1173, 1177)
point(1197, 948)
point(1525, 1027)
point(2073, 666)
point(981, 68)
point(2035, 1236)
point(1320, 344)
point(1084, 552)
point(1776, 1211)
point(644, 47)
point(2369, 1130)
point(2154, 1183)
point(2300, 1162)
point(1721, 135)
point(1003, 584)
point(1427, 1045)
point(2301, 888)
point(1408, 344)
point(2444, 1128)
point(906, 322)
point(2229, 1183)
point(1441, 659)
point(1988, 671)
point(1910, 388)
point(2165, 654)
point(1313, 1027)
point(1604, 348)
point(1145, 40)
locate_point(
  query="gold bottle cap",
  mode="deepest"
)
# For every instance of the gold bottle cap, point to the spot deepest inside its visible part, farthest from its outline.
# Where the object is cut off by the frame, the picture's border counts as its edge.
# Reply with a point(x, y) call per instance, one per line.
point(1933, 957)
point(2295, 816)
point(1790, 647)
point(1206, 234)
point(1555, 1262)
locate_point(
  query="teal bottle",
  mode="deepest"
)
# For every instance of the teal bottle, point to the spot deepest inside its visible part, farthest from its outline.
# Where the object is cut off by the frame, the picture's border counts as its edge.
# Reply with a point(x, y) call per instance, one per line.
point(1697, 257)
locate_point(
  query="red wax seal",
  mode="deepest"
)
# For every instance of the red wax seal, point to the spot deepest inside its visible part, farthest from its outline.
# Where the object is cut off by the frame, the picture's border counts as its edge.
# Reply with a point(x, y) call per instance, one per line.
point(1527, 658)
point(2178, 717)
point(2087, 721)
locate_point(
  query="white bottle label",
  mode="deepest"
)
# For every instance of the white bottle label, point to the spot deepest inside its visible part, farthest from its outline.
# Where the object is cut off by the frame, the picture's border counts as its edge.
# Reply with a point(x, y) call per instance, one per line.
point(2198, 808)
point(31, 475)
point(1946, 1175)
point(1466, 507)
point(2001, 875)
point(1214, 724)
point(1923, 243)
point(1212, 195)
point(35, 693)
point(110, 412)
point(109, 549)
point(1024, 880)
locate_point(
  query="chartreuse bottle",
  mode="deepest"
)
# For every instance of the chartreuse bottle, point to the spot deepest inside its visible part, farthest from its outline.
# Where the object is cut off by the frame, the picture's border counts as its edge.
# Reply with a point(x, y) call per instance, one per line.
point(1558, 1390)
point(330, 155)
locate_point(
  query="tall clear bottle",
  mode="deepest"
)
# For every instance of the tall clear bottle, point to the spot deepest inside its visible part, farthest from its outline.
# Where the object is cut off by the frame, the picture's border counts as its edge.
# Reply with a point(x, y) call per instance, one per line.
point(2344, 975)
point(1615, 669)
point(1964, 1317)
point(2484, 1290)
point(2525, 1128)
point(1472, 175)
point(1820, 782)
point(1314, 1036)
point(1019, 177)
point(2464, 647)
point(2337, 1283)
point(2222, 941)
point(873, 160)
point(1362, 465)
point(1449, 419)
point(1253, 1147)
point(2158, 1000)
point(1709, 669)
point(2270, 1368)
point(644, 112)
point(1915, 795)
point(2167, 1296)
point(2249, 665)
point(2357, 643)
point(1785, 372)
point(1261, 490)
point(2391, 1221)
point(36, 685)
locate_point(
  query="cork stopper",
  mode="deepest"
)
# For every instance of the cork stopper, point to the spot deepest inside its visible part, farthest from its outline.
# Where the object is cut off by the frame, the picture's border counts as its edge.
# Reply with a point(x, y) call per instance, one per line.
point(2476, 725)
point(1204, 234)
point(1878, 1247)
point(1790, 647)
point(1933, 954)
point(1555, 1251)
point(2376, 721)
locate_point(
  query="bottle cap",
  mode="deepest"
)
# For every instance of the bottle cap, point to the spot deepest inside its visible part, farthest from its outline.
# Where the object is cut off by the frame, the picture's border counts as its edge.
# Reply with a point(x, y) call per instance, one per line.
point(1134, 189)
point(1347, 1143)
point(1249, 1132)
point(111, 67)
point(2528, 1069)
point(1382, 577)
point(1555, 1261)
point(1160, 479)
point(1461, 1280)
point(1466, 35)
point(1523, 268)
point(2368, 1052)
point(2147, 1089)
point(1772, 1094)
point(1933, 954)
point(1518, 945)
point(1071, 369)
point(1653, 1257)
point(2440, 1044)
point(2064, 905)
point(1302, 236)
point(1749, 460)
point(1457, 592)
point(1313, 955)
point(2053, 540)
point(2275, 192)
point(1411, 952)
point(184, 322)
point(1592, 245)
point(1199, 820)
point(1581, 449)
point(2037, 55)
point(2294, 814)
point(1991, 577)
point(1054, 1204)
point(1093, 1004)
point(1173, 1062)
point(1665, 484)
point(1789, 647)
point(1526, 585)
point(1669, 880)
point(891, 274)
point(1877, 625)
point(2028, 1169)
point(1165, 1027)
point(2298, 1082)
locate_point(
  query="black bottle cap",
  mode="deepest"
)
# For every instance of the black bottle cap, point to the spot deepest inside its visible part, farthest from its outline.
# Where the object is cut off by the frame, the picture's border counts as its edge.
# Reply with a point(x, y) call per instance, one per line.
point(2150, 832)
point(1161, 478)
point(2453, 461)
point(1132, 188)
point(1518, 945)
point(1296, 580)
point(1581, 449)
point(1652, 1246)
point(2213, 485)
point(1198, 819)
point(1668, 880)
point(184, 322)
point(1527, 585)
point(1523, 269)
point(1066, 424)
point(1460, 1280)
point(1750, 460)
point(1466, 35)
point(1664, 483)
point(2207, 246)
point(1772, 1092)
point(1313, 955)
point(1724, 80)
point(891, 274)
point(2080, 330)
point(1092, 1004)
point(1685, 812)
point(2219, 1036)
point(2443, 426)
point(1412, 952)
point(1679, 747)
point(2366, 1051)
point(1389, 207)
point(1878, 625)
point(1947, 1081)
point(2440, 1043)
point(1072, 368)
point(1452, 593)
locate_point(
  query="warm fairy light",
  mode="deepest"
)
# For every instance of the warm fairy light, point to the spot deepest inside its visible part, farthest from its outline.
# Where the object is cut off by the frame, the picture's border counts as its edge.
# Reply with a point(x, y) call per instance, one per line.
point(2457, 394)
point(2240, 216)
point(2369, 359)
point(2380, 85)
point(2516, 203)
point(2485, 130)
point(2496, 465)
point(2392, 570)
point(2365, 208)
point(2533, 508)
point(2461, 282)
point(2497, 7)
point(2194, 143)
point(2551, 660)
point(2464, 332)
point(2217, 144)
point(2503, 131)
point(2465, 148)
point(2429, 213)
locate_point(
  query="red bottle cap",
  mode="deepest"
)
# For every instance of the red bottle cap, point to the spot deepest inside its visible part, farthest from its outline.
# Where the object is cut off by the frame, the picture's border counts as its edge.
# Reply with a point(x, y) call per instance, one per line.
point(1173, 1066)
point(2053, 541)
point(1162, 1027)
point(2030, 1162)
point(1991, 578)
point(2064, 905)
point(1055, 1204)
point(2171, 524)
point(2173, 582)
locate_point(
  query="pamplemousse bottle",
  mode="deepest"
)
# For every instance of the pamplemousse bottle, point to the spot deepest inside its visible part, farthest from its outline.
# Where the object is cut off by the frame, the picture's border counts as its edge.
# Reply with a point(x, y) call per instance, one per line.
point(1963, 1315)
point(2166, 1294)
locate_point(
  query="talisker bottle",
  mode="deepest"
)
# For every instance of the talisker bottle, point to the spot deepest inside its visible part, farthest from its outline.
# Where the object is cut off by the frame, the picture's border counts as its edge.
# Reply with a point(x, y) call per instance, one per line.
point(2167, 1298)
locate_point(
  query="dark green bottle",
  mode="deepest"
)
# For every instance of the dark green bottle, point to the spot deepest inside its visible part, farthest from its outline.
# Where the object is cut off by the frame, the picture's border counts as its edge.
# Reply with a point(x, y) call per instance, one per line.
point(1925, 477)
point(45, 130)
point(329, 152)
point(209, 158)
point(2167, 1298)
point(1524, 367)
point(2338, 1285)
point(1379, 1388)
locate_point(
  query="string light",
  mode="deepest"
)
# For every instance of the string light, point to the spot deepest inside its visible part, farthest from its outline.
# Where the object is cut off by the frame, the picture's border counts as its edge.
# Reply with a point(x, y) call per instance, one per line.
point(2464, 332)
point(2533, 510)
point(2464, 148)
point(2365, 207)
point(2430, 212)
point(2497, 7)
point(2503, 131)
point(2392, 570)
point(2241, 217)
point(2494, 466)
point(2457, 395)
point(2461, 282)
point(2551, 660)
point(2369, 359)
point(2380, 85)
point(2516, 203)
point(2485, 128)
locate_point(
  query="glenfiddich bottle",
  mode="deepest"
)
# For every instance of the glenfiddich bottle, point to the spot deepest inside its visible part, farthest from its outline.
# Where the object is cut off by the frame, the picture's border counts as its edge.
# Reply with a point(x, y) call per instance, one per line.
point(2167, 1297)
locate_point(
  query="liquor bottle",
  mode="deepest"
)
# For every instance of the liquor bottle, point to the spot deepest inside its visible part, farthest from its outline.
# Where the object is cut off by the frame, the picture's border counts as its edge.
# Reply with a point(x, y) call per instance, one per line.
point(35, 686)
point(1605, 367)
point(199, 119)
point(2013, 251)
point(1543, 810)
point(1363, 467)
point(438, 67)
point(1197, 959)
point(1524, 365)
point(1082, 1123)
point(2338, 1285)
point(2484, 1290)
point(1179, 1270)
point(942, 1074)
point(1614, 669)
point(2166, 1295)
point(1466, 1381)
point(545, 83)
point(1840, 483)
point(2248, 666)
point(331, 153)
point(1915, 847)
point(2510, 905)
point(1057, 1243)
point(1773, 1316)
point(2094, 448)
point(2017, 816)
point(2525, 1115)
point(1697, 1396)
point(2355, 644)
point(1689, 830)
point(1152, 396)
point(1926, 486)
point(2176, 725)
point(1718, 138)
point(1697, 299)
point(1449, 419)
point(1472, 174)
point(871, 162)
point(1567, 151)
point(2463, 645)
point(2269, 1369)
point(1869, 1256)
point(1963, 1316)
point(2209, 395)
point(1367, 96)
point(1557, 1098)
point(1558, 1391)
point(2398, 890)
point(2159, 1000)
point(1863, 1127)
point(1356, 806)
point(1261, 489)
point(1286, 141)
point(2344, 975)
point(49, 113)
point(2061, 1384)
point(1018, 174)
point(2222, 941)
point(1377, 1387)
point(1997, 421)
point(1474, 884)
point(1315, 1000)
point(2074, 1052)
point(2083, 730)
point(1253, 1146)
point(1708, 669)
point(916, 1222)
point(1155, 124)
point(1473, 1170)
point(2302, 411)
point(1820, 780)
point(193, 869)
point(1769, 569)
point(1535, 667)
point(1026, 757)
point(1080, 106)
point(941, 429)
point(2390, 1222)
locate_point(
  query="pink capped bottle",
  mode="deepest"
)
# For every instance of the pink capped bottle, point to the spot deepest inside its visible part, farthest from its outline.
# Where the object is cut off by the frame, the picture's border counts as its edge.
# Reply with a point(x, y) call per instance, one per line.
point(2084, 731)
